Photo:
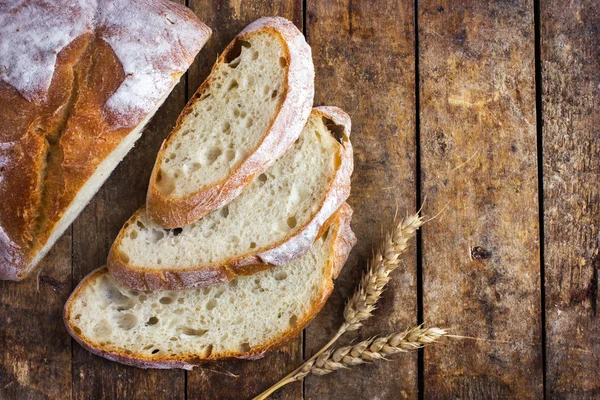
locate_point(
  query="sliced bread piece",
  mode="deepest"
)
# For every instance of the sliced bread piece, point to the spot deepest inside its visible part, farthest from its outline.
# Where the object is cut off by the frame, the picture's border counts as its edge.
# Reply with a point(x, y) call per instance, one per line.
point(243, 318)
point(272, 222)
point(247, 113)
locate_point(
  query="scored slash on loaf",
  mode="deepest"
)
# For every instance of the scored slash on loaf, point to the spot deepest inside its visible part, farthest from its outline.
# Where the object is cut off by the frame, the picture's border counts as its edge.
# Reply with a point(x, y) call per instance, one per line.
point(276, 219)
point(245, 115)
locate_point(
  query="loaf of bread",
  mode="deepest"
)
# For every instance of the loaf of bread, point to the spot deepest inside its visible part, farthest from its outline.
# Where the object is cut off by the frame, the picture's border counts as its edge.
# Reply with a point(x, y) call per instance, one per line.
point(276, 219)
point(243, 318)
point(79, 79)
point(247, 113)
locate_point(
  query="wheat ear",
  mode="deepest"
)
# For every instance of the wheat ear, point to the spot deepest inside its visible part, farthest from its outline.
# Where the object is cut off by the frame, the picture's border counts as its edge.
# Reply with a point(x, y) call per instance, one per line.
point(374, 349)
point(362, 304)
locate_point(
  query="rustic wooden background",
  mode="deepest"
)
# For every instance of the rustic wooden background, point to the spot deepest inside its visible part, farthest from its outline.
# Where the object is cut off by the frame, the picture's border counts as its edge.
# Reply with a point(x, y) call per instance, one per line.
point(488, 108)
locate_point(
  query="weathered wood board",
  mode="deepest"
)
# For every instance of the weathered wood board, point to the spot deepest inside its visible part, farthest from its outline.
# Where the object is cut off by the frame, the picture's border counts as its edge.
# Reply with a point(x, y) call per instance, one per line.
point(570, 55)
point(481, 263)
point(364, 61)
point(446, 114)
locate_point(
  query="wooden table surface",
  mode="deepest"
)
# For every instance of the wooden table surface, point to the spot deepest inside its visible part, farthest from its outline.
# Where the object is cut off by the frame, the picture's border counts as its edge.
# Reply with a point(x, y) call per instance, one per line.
point(490, 109)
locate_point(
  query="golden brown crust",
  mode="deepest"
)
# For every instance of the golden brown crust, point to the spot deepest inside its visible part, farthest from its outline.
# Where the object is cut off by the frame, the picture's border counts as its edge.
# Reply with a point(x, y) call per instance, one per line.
point(51, 146)
point(341, 246)
point(286, 126)
point(279, 253)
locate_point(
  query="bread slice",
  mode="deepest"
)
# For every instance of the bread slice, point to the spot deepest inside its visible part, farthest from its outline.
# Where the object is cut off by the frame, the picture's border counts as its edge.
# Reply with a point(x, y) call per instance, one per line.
point(272, 222)
point(243, 318)
point(78, 82)
point(247, 113)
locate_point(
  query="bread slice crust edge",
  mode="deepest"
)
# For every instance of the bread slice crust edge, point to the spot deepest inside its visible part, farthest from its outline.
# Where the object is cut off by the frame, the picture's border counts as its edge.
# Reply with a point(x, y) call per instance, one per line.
point(284, 129)
point(279, 253)
point(344, 241)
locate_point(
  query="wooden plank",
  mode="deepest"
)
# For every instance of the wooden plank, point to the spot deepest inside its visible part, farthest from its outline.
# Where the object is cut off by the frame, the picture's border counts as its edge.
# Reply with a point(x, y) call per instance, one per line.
point(35, 351)
point(364, 58)
point(481, 265)
point(93, 233)
point(240, 379)
point(570, 54)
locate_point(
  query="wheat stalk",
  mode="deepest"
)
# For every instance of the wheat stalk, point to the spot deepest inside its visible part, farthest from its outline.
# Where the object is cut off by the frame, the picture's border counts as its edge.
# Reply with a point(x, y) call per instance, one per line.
point(364, 300)
point(374, 349)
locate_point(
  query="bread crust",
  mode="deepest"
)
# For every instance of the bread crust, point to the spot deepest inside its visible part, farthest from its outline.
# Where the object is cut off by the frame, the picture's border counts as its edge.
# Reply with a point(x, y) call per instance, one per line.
point(279, 253)
point(56, 130)
point(286, 126)
point(343, 242)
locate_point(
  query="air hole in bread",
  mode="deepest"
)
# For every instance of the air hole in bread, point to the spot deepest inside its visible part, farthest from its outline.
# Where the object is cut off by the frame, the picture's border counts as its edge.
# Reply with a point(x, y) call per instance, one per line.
point(210, 304)
point(155, 235)
point(230, 155)
point(219, 291)
point(236, 112)
point(166, 186)
point(208, 351)
point(280, 275)
point(255, 55)
point(133, 234)
point(282, 62)
point(293, 321)
point(252, 245)
point(155, 351)
point(224, 211)
point(337, 160)
point(172, 156)
point(326, 234)
point(124, 257)
point(126, 321)
point(173, 339)
point(337, 131)
point(226, 126)
point(165, 300)
point(193, 332)
point(245, 347)
point(194, 167)
point(232, 85)
point(102, 329)
point(262, 177)
point(77, 330)
point(148, 347)
point(142, 298)
point(235, 51)
point(233, 283)
point(152, 321)
point(203, 96)
point(176, 231)
point(234, 239)
point(140, 225)
point(249, 122)
point(180, 300)
point(292, 222)
point(274, 94)
point(210, 155)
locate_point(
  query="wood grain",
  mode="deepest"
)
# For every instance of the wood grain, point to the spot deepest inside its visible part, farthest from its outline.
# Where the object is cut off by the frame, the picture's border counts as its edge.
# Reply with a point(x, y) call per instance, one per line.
point(93, 233)
point(239, 379)
point(570, 52)
point(481, 264)
point(35, 350)
point(364, 58)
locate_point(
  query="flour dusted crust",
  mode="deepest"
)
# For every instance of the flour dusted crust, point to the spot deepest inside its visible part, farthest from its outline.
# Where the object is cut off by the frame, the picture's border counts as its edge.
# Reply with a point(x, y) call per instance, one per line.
point(171, 211)
point(78, 81)
point(342, 241)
